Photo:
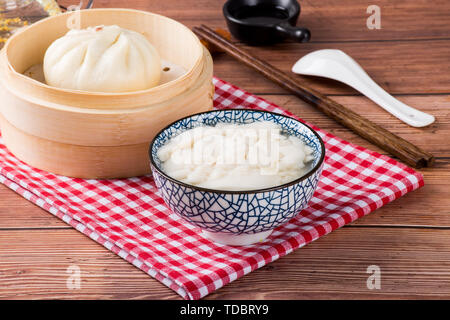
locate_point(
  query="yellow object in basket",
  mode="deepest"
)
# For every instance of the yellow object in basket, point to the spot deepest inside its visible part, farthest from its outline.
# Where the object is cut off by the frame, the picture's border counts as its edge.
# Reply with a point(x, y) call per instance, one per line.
point(17, 14)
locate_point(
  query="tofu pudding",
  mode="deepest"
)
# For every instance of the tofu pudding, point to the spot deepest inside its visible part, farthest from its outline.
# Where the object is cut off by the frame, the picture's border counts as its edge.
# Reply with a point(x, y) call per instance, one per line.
point(236, 157)
point(237, 174)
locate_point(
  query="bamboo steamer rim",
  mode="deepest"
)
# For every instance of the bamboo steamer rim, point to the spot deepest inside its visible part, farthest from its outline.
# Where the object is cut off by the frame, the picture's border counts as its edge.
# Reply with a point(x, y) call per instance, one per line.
point(124, 127)
point(141, 97)
point(98, 161)
point(205, 71)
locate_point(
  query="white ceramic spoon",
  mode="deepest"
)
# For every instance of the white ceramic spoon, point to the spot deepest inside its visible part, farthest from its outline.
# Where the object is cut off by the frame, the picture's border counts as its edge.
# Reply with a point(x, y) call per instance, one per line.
point(337, 65)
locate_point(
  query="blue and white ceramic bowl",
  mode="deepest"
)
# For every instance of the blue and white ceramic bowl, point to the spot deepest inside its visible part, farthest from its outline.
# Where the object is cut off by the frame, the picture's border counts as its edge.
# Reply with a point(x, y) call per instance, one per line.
point(238, 217)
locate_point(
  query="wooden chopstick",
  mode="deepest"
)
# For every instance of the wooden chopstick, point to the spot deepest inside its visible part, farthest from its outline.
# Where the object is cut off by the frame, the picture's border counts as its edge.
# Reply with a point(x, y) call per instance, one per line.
point(404, 150)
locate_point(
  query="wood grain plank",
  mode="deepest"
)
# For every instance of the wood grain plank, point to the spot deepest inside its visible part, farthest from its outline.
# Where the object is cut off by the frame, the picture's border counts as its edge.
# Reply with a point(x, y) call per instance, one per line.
point(409, 64)
point(431, 138)
point(333, 20)
point(404, 57)
point(404, 150)
point(429, 206)
point(414, 264)
point(33, 266)
point(19, 213)
point(329, 20)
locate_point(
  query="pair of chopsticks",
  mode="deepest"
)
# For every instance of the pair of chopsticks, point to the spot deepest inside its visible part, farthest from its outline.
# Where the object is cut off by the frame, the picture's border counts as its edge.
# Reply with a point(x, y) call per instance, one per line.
point(404, 150)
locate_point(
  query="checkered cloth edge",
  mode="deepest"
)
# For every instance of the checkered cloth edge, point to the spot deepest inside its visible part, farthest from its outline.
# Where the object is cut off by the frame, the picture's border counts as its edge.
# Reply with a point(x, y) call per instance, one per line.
point(128, 216)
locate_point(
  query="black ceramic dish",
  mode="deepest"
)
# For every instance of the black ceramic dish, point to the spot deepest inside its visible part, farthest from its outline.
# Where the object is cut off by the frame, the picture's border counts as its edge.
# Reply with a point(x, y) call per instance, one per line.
point(261, 22)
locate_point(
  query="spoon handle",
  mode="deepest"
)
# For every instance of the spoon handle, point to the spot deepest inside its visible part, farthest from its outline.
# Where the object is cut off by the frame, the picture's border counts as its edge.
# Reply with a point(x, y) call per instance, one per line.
point(361, 81)
point(337, 65)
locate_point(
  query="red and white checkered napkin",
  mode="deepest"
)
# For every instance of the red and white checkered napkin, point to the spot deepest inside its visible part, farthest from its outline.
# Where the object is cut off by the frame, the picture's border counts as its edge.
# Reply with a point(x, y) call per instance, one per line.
point(129, 217)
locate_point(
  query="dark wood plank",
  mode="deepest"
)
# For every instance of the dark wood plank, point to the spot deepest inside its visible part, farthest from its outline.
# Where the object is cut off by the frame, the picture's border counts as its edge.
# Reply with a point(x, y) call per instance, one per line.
point(407, 152)
point(415, 262)
point(18, 213)
point(33, 265)
point(329, 20)
point(426, 207)
point(431, 138)
point(332, 20)
point(429, 206)
point(413, 67)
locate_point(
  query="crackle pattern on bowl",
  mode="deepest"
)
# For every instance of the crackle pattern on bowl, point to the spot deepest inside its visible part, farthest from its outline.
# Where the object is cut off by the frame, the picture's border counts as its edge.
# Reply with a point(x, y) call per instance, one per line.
point(243, 212)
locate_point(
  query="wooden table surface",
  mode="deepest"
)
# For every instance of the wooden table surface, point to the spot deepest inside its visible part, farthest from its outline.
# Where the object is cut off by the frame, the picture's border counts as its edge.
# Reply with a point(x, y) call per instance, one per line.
point(408, 239)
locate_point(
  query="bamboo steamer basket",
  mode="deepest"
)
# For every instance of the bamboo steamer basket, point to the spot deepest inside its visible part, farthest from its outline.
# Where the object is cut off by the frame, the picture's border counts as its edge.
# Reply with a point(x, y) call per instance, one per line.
point(92, 134)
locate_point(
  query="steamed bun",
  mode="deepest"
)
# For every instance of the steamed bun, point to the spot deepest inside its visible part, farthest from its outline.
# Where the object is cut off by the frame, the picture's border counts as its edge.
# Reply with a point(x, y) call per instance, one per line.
point(102, 59)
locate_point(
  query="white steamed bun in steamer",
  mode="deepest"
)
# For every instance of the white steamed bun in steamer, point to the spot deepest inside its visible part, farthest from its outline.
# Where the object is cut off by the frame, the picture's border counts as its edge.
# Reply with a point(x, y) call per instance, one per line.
point(102, 59)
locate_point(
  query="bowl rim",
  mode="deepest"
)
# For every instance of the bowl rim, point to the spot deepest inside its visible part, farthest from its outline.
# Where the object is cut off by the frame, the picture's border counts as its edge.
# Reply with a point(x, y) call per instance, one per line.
point(288, 184)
